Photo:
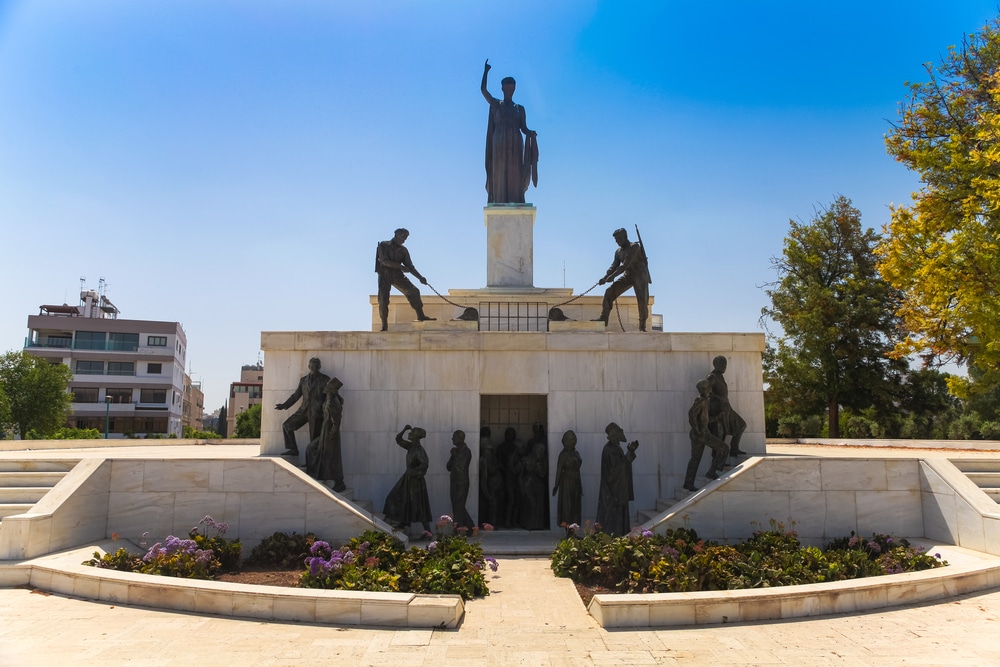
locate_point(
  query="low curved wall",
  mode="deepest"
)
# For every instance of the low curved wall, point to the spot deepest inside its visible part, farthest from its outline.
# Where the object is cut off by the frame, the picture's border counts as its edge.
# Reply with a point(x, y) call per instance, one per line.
point(786, 602)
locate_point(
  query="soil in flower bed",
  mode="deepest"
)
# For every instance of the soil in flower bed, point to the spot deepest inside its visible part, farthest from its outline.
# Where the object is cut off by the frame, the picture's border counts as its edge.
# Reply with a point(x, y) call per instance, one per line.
point(587, 593)
point(263, 575)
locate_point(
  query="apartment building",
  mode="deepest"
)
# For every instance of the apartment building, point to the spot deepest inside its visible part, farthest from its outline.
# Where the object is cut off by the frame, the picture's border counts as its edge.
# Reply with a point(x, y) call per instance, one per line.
point(248, 391)
point(128, 375)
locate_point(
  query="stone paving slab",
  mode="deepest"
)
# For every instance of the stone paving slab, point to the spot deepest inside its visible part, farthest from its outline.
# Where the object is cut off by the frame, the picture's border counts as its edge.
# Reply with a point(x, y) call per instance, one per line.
point(531, 618)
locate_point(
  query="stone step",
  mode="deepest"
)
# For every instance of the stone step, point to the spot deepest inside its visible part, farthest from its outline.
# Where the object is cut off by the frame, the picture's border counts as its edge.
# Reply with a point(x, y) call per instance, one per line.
point(10, 509)
point(647, 515)
point(30, 465)
point(993, 493)
point(985, 479)
point(23, 494)
point(977, 465)
point(45, 478)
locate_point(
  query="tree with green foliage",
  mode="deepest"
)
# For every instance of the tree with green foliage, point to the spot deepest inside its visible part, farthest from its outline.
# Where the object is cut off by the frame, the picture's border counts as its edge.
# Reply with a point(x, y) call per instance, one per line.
point(943, 251)
point(837, 318)
point(4, 411)
point(223, 422)
point(248, 423)
point(36, 393)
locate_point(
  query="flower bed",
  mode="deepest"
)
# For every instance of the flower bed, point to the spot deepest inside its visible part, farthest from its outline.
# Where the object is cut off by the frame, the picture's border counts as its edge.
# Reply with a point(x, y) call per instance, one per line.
point(374, 561)
point(681, 562)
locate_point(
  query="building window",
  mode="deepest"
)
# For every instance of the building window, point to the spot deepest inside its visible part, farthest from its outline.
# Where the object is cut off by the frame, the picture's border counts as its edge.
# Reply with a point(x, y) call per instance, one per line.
point(255, 391)
point(62, 340)
point(86, 395)
point(154, 369)
point(123, 342)
point(156, 341)
point(120, 394)
point(153, 396)
point(89, 367)
point(90, 340)
point(121, 368)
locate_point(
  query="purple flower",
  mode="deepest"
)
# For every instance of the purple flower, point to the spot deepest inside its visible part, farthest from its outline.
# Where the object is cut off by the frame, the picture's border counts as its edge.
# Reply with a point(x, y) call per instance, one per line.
point(154, 551)
point(348, 557)
point(319, 546)
point(573, 527)
point(432, 546)
point(492, 562)
point(938, 556)
point(853, 542)
point(647, 533)
point(873, 546)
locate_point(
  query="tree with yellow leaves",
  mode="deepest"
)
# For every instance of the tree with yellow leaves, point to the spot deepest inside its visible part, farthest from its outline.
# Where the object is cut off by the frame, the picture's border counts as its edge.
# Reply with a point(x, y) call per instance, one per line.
point(943, 251)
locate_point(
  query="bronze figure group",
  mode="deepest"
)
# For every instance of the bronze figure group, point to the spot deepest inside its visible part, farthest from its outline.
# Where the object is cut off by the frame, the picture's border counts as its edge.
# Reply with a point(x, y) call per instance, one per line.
point(513, 477)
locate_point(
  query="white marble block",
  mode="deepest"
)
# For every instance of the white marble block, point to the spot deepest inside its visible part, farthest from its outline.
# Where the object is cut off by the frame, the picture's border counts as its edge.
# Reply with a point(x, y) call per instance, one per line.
point(510, 245)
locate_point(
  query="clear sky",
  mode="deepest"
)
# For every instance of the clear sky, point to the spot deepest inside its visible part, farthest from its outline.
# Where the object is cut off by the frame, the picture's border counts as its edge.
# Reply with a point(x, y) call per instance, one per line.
point(231, 164)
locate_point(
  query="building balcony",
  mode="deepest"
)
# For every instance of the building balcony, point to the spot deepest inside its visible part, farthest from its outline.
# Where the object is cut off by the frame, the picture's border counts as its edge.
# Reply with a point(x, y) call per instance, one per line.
point(61, 343)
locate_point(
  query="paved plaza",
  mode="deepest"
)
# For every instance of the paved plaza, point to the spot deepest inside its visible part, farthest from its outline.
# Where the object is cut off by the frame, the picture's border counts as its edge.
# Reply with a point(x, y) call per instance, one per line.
point(531, 618)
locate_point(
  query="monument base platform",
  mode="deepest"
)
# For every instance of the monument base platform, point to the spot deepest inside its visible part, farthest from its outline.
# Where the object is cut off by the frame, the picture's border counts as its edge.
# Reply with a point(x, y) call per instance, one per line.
point(443, 378)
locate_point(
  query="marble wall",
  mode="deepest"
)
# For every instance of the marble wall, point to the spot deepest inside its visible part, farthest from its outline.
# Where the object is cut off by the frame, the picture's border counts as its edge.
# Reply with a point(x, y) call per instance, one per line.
point(161, 497)
point(823, 499)
point(434, 379)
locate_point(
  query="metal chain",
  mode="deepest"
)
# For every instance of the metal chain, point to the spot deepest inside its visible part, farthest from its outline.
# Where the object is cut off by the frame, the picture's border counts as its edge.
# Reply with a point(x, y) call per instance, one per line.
point(444, 297)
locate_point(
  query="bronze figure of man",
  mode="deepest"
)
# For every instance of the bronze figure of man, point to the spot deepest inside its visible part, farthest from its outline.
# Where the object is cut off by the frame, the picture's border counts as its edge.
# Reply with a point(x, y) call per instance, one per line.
point(392, 261)
point(310, 390)
point(630, 264)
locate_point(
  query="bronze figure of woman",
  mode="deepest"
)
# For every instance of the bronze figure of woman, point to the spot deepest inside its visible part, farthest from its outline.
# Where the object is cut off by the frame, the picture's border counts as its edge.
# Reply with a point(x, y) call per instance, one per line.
point(511, 163)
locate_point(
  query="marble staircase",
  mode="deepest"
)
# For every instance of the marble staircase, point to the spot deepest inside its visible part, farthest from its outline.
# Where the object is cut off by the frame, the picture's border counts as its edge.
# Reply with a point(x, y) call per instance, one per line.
point(984, 473)
point(24, 482)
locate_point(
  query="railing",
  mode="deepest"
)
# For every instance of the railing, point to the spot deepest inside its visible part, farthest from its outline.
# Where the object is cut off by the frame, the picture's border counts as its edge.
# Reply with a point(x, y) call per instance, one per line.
point(63, 343)
point(107, 346)
point(517, 316)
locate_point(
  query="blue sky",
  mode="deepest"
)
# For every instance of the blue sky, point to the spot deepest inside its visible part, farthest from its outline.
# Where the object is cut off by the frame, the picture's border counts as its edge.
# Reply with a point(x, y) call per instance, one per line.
point(231, 165)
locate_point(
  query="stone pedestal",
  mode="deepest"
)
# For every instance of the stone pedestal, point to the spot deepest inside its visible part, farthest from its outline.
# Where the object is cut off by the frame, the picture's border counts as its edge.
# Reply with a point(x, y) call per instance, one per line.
point(509, 245)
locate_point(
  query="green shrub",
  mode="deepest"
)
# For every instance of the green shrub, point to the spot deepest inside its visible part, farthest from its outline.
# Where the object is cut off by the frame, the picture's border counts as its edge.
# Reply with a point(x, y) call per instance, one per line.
point(282, 549)
point(679, 561)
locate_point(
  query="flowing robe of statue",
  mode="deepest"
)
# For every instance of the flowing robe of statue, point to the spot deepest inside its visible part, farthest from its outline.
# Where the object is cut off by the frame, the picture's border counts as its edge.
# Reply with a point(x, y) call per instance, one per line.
point(616, 490)
point(458, 466)
point(507, 176)
point(569, 509)
point(323, 456)
point(408, 500)
point(535, 485)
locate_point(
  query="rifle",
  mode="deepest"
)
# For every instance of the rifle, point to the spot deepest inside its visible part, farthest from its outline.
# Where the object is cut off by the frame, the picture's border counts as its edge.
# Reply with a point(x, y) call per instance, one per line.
point(644, 257)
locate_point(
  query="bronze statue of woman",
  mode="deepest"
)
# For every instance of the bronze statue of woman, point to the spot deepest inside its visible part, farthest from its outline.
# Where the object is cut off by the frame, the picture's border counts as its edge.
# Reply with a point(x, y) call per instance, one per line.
point(510, 164)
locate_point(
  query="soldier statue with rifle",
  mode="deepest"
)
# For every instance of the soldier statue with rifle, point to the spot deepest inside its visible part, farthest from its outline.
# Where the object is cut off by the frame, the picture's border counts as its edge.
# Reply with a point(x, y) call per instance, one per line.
point(632, 266)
